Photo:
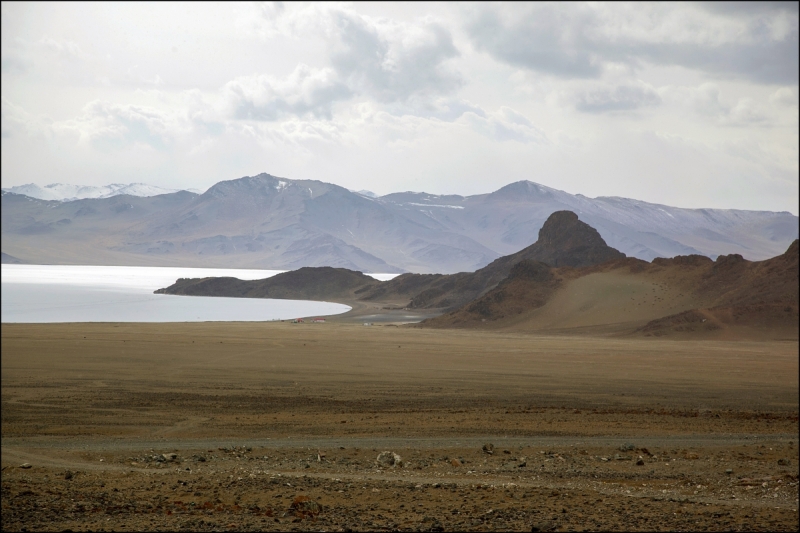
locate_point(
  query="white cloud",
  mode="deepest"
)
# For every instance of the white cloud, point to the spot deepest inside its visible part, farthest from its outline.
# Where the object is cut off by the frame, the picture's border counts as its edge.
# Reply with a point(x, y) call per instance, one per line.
point(306, 91)
point(707, 101)
point(624, 97)
point(380, 58)
point(505, 125)
point(391, 61)
point(15, 120)
point(575, 41)
point(656, 101)
point(109, 126)
point(786, 96)
point(63, 48)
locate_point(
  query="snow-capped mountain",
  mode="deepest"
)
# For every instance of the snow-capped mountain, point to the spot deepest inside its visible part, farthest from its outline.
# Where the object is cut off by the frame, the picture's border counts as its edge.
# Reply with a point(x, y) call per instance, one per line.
point(278, 223)
point(505, 220)
point(65, 192)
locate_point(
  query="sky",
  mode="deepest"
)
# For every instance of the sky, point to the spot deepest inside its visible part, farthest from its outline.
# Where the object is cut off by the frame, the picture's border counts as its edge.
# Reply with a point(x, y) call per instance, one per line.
point(684, 104)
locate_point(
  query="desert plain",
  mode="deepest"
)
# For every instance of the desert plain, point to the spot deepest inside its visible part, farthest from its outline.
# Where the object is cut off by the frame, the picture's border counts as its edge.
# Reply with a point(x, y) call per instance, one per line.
point(279, 426)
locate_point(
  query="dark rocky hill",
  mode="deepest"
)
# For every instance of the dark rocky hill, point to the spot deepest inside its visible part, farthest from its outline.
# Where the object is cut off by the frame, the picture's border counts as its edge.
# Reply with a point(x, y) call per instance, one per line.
point(724, 297)
point(563, 241)
point(308, 283)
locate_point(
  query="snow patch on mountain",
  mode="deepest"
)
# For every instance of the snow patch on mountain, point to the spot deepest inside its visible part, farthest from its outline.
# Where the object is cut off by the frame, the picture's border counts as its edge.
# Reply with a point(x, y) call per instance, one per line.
point(437, 205)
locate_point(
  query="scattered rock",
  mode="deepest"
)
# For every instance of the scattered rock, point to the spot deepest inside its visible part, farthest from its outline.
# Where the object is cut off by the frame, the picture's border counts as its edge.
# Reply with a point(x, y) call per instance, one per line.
point(25, 465)
point(640, 461)
point(488, 448)
point(304, 507)
point(784, 462)
point(389, 459)
point(729, 471)
point(456, 462)
point(627, 447)
point(68, 475)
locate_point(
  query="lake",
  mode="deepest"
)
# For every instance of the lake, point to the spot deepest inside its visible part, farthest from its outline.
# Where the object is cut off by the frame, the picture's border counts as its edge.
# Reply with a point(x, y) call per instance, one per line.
point(72, 293)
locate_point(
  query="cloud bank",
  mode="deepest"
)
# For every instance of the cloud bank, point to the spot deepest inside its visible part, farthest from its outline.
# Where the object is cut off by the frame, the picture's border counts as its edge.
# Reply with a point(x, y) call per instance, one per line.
point(689, 104)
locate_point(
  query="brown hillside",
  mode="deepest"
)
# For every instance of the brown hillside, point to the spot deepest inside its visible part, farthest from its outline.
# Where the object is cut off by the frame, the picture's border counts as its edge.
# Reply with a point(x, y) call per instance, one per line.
point(528, 286)
point(683, 295)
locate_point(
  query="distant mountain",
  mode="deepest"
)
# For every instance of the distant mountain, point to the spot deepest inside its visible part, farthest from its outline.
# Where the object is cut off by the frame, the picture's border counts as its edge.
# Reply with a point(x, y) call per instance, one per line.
point(10, 259)
point(268, 222)
point(507, 219)
point(571, 281)
point(563, 241)
point(62, 192)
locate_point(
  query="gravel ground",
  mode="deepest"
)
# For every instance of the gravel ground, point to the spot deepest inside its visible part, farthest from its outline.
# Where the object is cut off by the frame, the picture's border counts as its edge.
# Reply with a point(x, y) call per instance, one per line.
point(711, 487)
point(255, 427)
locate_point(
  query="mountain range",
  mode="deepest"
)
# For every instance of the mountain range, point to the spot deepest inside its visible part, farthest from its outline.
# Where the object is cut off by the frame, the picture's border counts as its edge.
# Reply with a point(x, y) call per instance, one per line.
point(568, 281)
point(276, 223)
point(64, 192)
point(563, 241)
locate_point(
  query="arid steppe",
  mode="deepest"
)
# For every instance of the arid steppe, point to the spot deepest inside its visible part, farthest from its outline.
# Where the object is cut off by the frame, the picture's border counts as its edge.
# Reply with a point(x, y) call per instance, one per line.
point(278, 426)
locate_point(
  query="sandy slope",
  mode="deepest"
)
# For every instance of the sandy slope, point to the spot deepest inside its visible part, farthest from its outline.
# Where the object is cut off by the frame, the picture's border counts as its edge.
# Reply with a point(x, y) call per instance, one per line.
point(686, 296)
point(610, 298)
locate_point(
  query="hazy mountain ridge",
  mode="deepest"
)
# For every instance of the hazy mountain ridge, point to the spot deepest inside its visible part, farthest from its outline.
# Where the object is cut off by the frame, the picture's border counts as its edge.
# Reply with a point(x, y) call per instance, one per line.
point(64, 192)
point(563, 241)
point(268, 222)
point(506, 219)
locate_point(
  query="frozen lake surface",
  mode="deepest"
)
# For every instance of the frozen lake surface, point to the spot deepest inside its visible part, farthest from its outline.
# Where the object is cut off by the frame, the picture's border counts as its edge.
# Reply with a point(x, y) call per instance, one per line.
point(69, 293)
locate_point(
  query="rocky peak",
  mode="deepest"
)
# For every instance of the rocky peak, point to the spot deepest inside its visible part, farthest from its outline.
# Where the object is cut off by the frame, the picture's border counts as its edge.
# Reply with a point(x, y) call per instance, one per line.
point(263, 183)
point(561, 225)
point(566, 241)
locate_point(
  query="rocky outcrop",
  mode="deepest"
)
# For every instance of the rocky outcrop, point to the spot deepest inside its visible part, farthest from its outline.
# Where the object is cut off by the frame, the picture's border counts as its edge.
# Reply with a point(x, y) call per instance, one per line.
point(566, 241)
point(308, 283)
point(563, 241)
